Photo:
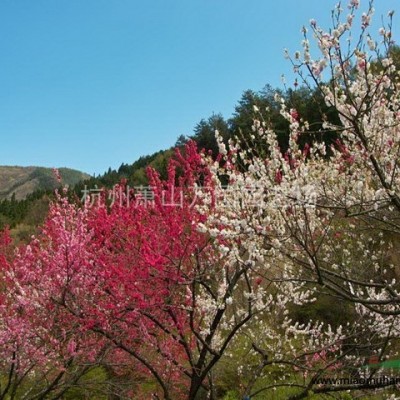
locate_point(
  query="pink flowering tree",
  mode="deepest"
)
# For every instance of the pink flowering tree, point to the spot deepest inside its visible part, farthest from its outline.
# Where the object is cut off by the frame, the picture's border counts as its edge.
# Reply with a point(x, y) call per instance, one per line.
point(43, 352)
point(138, 281)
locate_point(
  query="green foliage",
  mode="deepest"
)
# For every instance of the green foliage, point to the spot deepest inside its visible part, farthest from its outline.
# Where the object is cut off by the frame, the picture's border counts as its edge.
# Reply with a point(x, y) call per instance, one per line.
point(242, 120)
point(324, 309)
point(309, 105)
point(204, 133)
point(231, 395)
point(93, 385)
point(181, 141)
point(14, 212)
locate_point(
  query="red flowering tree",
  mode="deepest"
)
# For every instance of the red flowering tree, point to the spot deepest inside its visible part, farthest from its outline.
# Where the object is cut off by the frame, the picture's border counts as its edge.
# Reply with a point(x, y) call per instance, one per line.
point(166, 286)
point(137, 274)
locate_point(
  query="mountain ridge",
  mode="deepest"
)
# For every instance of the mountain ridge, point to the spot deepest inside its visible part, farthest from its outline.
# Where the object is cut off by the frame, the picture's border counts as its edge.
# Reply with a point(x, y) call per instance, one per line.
point(17, 181)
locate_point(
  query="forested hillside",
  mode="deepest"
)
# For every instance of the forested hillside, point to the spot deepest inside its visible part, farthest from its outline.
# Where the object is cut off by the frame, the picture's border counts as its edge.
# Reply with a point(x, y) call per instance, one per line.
point(33, 186)
point(19, 182)
point(25, 192)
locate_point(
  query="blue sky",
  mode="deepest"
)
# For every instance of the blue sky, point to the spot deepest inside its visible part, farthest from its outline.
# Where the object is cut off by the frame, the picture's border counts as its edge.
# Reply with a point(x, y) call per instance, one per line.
point(89, 84)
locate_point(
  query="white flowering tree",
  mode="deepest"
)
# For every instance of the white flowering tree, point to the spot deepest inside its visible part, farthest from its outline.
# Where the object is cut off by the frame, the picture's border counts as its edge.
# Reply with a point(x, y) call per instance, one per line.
point(320, 224)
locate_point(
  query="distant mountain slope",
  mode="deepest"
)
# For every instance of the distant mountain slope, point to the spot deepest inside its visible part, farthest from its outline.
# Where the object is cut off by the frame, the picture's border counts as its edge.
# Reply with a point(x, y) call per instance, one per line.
point(25, 180)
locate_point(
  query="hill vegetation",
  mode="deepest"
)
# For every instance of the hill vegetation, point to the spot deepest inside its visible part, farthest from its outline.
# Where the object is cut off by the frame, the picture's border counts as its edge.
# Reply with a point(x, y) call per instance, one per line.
point(18, 182)
point(26, 192)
